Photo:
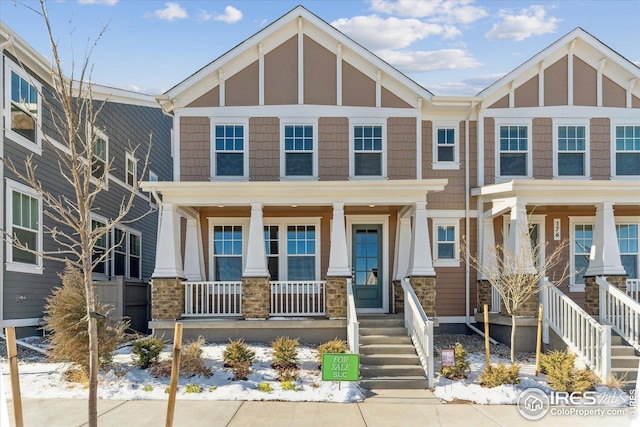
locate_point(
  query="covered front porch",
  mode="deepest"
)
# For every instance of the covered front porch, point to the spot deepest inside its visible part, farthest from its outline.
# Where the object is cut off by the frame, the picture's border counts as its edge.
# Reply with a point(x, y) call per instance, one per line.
point(232, 251)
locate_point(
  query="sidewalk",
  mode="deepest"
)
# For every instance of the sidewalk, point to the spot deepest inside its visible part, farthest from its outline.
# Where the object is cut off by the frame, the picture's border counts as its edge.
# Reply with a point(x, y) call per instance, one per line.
point(385, 408)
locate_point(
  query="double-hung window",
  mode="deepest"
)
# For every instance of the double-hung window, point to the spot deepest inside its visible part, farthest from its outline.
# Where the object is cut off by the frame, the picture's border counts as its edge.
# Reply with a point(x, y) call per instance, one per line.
point(446, 242)
point(581, 248)
point(514, 156)
point(368, 150)
point(272, 249)
point(132, 170)
point(23, 107)
point(628, 243)
point(24, 225)
point(298, 155)
point(445, 146)
point(126, 256)
point(626, 158)
point(301, 252)
point(227, 253)
point(100, 155)
point(292, 249)
point(571, 150)
point(229, 153)
point(100, 249)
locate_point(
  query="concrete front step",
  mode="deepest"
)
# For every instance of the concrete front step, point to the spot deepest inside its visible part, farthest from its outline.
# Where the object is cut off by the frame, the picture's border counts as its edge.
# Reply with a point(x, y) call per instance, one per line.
point(385, 339)
point(625, 362)
point(384, 330)
point(414, 382)
point(622, 350)
point(380, 323)
point(391, 371)
point(389, 359)
point(625, 374)
point(616, 340)
point(387, 349)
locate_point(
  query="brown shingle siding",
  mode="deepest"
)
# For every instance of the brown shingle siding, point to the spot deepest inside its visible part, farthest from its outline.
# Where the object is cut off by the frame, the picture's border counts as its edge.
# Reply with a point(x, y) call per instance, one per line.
point(333, 148)
point(401, 148)
point(542, 148)
point(264, 149)
point(195, 149)
point(600, 139)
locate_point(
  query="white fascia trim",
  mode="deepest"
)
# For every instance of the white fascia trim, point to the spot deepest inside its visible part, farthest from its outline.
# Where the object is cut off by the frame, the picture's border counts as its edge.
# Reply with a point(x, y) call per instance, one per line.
point(614, 122)
point(312, 121)
point(445, 262)
point(587, 156)
point(244, 222)
point(562, 112)
point(451, 165)
point(296, 111)
point(229, 120)
point(367, 121)
point(520, 121)
point(21, 323)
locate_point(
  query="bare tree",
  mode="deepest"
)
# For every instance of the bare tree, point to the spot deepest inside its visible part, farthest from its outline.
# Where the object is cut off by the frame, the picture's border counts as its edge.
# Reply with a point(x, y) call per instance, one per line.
point(74, 114)
point(516, 276)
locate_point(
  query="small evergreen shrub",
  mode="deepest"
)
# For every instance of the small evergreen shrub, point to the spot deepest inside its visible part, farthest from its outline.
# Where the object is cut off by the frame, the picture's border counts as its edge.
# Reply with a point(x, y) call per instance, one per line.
point(148, 388)
point(193, 388)
point(562, 374)
point(238, 356)
point(265, 387)
point(333, 346)
point(494, 376)
point(167, 389)
point(285, 358)
point(459, 370)
point(147, 351)
point(288, 386)
point(212, 388)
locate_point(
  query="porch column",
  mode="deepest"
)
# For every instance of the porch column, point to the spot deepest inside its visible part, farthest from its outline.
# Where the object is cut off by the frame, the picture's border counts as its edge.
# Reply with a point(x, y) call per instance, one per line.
point(338, 272)
point(518, 241)
point(402, 258)
point(605, 252)
point(193, 254)
point(488, 259)
point(255, 278)
point(421, 271)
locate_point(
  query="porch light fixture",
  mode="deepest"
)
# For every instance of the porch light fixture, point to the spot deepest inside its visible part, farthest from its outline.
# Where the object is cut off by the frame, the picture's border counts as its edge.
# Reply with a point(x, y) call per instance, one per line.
point(294, 206)
point(372, 206)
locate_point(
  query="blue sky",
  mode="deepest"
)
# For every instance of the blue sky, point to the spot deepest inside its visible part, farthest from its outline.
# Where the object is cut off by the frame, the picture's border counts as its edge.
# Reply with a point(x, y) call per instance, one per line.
point(450, 47)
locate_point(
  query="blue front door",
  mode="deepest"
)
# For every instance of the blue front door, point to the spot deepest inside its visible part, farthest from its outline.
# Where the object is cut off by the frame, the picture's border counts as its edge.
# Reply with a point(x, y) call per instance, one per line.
point(367, 265)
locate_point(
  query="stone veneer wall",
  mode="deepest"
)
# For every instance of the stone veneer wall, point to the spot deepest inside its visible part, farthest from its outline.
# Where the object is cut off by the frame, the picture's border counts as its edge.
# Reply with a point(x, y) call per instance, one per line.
point(336, 297)
point(484, 295)
point(399, 296)
point(255, 297)
point(592, 292)
point(425, 290)
point(167, 299)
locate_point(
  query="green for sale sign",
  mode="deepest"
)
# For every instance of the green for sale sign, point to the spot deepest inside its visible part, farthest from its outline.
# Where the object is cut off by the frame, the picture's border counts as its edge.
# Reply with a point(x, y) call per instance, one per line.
point(340, 367)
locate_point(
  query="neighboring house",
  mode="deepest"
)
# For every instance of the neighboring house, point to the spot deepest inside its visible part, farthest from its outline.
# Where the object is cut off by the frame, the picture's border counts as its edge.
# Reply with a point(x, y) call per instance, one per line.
point(302, 162)
point(126, 120)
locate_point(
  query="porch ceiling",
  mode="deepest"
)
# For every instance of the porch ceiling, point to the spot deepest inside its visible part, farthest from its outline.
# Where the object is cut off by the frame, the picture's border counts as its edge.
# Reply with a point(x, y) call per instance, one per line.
point(287, 193)
point(563, 192)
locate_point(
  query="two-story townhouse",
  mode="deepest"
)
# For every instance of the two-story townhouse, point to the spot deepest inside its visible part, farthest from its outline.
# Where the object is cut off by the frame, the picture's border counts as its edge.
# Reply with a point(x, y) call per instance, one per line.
point(127, 119)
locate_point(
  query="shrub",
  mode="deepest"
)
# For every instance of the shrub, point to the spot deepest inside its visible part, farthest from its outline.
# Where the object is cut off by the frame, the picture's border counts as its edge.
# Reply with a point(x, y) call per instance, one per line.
point(494, 376)
point(213, 388)
point(147, 351)
point(65, 315)
point(238, 356)
point(193, 388)
point(562, 374)
point(461, 366)
point(147, 388)
point(191, 362)
point(265, 387)
point(288, 386)
point(614, 382)
point(285, 358)
point(333, 346)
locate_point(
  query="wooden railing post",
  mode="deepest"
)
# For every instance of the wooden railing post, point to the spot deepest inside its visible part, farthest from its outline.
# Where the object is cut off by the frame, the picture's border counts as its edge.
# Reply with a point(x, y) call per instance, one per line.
point(12, 354)
point(175, 373)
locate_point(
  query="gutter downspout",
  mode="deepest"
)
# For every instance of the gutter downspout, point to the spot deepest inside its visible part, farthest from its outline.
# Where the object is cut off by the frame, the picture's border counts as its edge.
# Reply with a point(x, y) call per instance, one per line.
point(467, 190)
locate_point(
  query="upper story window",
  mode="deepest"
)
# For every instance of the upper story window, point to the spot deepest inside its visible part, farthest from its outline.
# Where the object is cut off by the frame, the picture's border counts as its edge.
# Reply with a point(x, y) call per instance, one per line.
point(23, 111)
point(628, 244)
point(132, 170)
point(445, 147)
point(626, 161)
point(299, 158)
point(368, 157)
point(446, 242)
point(571, 150)
point(514, 150)
point(24, 223)
point(229, 154)
point(100, 155)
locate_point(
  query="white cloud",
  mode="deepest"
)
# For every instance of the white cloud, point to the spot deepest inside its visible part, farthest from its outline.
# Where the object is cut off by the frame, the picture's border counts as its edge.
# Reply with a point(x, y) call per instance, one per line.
point(105, 2)
point(231, 15)
point(532, 21)
point(467, 87)
point(436, 60)
point(450, 11)
point(170, 12)
point(203, 15)
point(376, 33)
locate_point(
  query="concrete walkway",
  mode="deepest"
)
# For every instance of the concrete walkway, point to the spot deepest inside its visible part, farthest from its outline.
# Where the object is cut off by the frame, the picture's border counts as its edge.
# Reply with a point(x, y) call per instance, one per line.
point(383, 408)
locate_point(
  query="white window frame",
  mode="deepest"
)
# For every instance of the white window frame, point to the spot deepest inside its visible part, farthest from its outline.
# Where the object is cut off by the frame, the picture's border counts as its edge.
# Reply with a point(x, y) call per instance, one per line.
point(498, 122)
point(137, 233)
point(230, 121)
point(573, 221)
point(220, 221)
point(287, 121)
point(454, 164)
point(283, 254)
point(36, 146)
point(11, 265)
point(153, 177)
point(635, 220)
point(383, 161)
point(129, 157)
point(128, 232)
point(97, 133)
point(107, 275)
point(614, 123)
point(445, 222)
point(587, 148)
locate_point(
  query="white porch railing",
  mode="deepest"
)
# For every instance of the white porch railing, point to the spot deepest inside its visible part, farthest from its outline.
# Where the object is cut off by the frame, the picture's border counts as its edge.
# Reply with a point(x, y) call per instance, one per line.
point(584, 336)
point(633, 289)
point(419, 328)
point(353, 326)
point(219, 299)
point(620, 311)
point(297, 298)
